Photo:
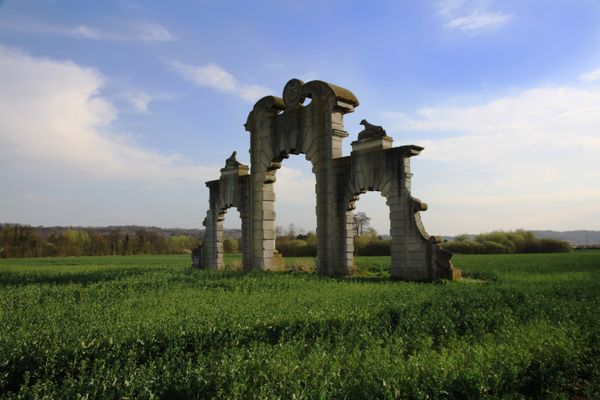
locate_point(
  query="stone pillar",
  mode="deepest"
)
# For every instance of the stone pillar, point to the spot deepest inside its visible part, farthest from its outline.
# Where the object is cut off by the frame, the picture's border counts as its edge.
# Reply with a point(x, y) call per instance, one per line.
point(209, 253)
point(261, 217)
point(244, 209)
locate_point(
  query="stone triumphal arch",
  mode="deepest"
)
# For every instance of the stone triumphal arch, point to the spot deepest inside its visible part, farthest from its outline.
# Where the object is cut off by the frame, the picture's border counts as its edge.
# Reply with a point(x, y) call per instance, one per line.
point(282, 126)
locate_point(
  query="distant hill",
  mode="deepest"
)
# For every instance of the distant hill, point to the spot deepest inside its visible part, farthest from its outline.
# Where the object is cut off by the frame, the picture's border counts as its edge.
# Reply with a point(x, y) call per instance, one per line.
point(580, 237)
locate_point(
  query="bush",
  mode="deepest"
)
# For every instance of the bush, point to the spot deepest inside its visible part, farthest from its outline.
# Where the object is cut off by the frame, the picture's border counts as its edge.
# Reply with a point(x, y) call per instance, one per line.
point(553, 246)
point(372, 247)
point(499, 242)
point(490, 247)
point(296, 248)
point(464, 247)
point(230, 246)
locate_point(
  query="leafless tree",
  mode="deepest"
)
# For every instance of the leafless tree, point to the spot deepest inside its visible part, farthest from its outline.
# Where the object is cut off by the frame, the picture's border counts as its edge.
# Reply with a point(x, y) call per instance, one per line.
point(361, 223)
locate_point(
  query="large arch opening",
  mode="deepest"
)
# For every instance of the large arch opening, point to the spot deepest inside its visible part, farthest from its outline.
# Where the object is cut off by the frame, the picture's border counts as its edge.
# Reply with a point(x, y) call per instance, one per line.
point(371, 234)
point(294, 212)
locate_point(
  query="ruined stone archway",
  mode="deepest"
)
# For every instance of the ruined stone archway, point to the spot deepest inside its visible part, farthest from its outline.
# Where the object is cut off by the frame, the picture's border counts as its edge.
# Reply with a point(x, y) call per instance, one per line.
point(230, 191)
point(280, 127)
point(374, 165)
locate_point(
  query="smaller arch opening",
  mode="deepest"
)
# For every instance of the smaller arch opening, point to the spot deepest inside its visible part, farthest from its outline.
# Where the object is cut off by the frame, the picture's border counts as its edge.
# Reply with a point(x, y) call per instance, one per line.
point(229, 238)
point(371, 234)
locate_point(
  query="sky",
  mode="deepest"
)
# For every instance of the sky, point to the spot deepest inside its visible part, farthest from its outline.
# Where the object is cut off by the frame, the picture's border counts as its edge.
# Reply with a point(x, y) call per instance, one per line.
point(117, 112)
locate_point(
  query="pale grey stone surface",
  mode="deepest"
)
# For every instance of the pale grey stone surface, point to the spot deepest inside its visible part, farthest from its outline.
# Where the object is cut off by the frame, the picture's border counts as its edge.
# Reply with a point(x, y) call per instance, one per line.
point(282, 126)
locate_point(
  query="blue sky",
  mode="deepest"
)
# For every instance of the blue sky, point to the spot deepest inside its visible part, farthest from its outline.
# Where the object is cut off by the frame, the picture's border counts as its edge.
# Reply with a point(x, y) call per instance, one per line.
point(116, 112)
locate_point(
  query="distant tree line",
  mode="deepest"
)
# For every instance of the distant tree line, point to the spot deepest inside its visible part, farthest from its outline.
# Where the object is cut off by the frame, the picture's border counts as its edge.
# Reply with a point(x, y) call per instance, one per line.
point(26, 241)
point(498, 242)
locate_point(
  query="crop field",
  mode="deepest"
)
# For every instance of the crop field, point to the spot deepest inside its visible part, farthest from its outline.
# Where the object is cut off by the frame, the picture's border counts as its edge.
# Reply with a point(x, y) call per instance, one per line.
point(143, 327)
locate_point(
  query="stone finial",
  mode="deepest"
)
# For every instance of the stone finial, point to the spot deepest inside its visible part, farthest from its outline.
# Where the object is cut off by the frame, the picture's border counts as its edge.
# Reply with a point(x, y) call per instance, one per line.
point(232, 162)
point(371, 131)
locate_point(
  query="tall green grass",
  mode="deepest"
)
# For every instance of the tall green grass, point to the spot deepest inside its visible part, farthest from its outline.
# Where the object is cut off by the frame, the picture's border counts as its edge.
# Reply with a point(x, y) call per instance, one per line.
point(519, 326)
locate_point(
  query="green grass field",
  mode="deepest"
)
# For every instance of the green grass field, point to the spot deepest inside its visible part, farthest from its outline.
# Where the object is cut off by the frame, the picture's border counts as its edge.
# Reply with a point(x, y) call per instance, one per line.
point(519, 326)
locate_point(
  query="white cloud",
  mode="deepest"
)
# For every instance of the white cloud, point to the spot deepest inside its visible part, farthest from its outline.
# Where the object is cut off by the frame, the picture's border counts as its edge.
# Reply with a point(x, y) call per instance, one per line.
point(523, 151)
point(295, 198)
point(295, 186)
point(252, 93)
point(215, 77)
point(590, 76)
point(210, 75)
point(471, 15)
point(478, 21)
point(79, 32)
point(54, 118)
point(134, 31)
point(564, 115)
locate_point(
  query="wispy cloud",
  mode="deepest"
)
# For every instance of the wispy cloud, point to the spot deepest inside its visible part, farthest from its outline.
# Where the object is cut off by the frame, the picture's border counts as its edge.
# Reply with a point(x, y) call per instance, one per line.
point(129, 98)
point(472, 16)
point(72, 129)
point(148, 31)
point(590, 76)
point(216, 77)
point(139, 100)
point(136, 31)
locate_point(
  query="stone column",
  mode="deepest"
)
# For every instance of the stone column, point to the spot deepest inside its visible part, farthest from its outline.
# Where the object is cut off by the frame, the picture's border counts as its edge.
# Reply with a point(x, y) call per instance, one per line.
point(261, 216)
point(209, 256)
